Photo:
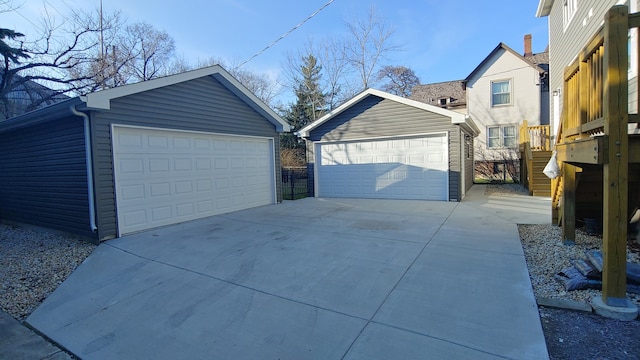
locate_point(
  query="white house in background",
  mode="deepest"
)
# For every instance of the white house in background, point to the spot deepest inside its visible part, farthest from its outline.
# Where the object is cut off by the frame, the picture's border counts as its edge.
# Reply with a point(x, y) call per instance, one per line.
point(502, 91)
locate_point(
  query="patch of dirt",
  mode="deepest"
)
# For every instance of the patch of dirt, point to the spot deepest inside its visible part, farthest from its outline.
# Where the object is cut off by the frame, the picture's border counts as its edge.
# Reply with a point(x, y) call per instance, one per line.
point(579, 335)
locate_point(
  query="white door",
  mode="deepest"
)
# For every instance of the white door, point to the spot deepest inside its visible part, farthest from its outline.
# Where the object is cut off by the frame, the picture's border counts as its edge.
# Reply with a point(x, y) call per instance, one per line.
point(401, 168)
point(164, 177)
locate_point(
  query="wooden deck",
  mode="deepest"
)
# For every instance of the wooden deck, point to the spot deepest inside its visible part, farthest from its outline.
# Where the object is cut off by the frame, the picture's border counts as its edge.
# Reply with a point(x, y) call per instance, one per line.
point(599, 156)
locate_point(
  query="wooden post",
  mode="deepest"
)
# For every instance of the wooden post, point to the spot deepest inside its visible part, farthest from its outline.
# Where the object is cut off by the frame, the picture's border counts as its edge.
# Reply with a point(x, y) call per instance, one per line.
point(616, 168)
point(568, 204)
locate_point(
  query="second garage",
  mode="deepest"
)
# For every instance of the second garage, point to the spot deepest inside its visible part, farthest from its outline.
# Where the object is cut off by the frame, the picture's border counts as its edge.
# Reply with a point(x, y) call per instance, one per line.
point(396, 168)
point(379, 145)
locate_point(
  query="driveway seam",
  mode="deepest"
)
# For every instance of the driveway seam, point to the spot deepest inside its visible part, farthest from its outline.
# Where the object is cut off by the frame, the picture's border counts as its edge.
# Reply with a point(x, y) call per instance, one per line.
point(438, 338)
point(237, 284)
point(370, 320)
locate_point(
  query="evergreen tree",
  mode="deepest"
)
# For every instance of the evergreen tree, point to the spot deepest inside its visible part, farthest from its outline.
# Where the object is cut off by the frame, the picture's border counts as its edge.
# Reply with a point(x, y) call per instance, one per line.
point(9, 53)
point(310, 102)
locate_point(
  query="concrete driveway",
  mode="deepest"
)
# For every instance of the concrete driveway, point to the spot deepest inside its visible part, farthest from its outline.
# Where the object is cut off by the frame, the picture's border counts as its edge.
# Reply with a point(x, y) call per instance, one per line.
point(311, 279)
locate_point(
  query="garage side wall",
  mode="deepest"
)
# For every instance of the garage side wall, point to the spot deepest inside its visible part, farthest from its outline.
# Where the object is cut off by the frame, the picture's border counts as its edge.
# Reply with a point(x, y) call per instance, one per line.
point(375, 117)
point(468, 160)
point(455, 165)
point(43, 178)
point(198, 105)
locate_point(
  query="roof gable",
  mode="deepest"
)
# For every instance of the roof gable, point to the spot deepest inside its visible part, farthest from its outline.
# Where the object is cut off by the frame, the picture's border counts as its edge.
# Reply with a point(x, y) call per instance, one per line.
point(101, 100)
point(495, 52)
point(456, 118)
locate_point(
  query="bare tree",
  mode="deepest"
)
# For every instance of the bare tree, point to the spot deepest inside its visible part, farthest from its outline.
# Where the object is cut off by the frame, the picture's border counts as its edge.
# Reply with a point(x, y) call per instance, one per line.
point(151, 51)
point(369, 42)
point(399, 80)
point(54, 54)
point(7, 6)
point(332, 58)
point(110, 59)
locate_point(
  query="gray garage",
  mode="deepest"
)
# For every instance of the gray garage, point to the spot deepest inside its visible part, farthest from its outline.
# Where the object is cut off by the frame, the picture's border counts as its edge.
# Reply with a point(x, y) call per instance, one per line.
point(140, 156)
point(379, 145)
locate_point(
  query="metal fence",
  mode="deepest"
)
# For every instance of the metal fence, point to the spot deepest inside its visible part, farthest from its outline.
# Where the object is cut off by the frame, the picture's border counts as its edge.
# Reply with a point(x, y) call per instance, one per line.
point(294, 183)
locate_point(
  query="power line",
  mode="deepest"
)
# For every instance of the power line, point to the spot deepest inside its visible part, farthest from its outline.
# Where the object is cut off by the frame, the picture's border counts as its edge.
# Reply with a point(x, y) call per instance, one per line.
point(28, 20)
point(54, 8)
point(287, 33)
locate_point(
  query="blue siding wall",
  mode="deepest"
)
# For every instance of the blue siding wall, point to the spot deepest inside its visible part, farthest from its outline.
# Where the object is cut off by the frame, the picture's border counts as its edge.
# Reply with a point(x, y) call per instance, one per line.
point(43, 179)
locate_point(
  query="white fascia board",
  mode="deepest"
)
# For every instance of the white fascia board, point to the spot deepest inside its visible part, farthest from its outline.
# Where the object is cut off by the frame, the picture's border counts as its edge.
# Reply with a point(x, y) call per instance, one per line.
point(544, 8)
point(468, 123)
point(455, 117)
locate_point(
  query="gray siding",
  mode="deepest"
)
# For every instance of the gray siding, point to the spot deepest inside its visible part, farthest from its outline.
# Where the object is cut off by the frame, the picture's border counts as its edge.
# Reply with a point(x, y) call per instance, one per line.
point(455, 165)
point(202, 104)
point(377, 117)
point(43, 178)
point(468, 164)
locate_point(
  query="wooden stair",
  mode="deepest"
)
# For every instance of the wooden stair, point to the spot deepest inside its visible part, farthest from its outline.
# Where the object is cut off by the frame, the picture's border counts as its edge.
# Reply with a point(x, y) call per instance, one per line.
point(539, 183)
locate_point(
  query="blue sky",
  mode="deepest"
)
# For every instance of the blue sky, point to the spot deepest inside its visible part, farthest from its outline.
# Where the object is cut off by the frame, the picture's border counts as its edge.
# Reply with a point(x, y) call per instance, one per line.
point(441, 40)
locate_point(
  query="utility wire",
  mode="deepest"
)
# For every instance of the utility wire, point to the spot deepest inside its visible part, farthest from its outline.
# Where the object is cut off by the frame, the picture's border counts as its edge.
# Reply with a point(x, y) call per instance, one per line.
point(46, 2)
point(286, 34)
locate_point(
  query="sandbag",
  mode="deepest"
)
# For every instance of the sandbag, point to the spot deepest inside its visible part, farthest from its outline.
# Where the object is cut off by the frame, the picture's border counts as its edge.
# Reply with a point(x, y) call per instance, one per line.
point(595, 258)
point(633, 269)
point(587, 269)
point(572, 279)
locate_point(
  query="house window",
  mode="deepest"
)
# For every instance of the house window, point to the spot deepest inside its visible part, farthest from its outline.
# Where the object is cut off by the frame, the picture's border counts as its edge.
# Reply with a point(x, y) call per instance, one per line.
point(501, 136)
point(501, 92)
point(569, 8)
point(442, 101)
point(468, 146)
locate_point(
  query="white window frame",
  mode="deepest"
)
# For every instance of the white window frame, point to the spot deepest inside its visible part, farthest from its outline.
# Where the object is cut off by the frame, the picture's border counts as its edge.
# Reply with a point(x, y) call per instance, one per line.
point(493, 104)
point(502, 136)
point(633, 45)
point(569, 10)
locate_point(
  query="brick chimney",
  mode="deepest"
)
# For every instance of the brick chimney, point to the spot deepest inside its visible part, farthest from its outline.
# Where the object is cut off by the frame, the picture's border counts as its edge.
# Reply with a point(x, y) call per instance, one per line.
point(527, 45)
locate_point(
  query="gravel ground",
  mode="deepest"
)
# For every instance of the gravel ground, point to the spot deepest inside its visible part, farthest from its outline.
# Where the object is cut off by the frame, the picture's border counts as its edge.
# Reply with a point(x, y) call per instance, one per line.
point(32, 265)
point(572, 334)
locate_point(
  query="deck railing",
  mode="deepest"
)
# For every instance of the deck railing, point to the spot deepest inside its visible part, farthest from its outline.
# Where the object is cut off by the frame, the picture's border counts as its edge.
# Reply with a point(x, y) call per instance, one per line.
point(532, 139)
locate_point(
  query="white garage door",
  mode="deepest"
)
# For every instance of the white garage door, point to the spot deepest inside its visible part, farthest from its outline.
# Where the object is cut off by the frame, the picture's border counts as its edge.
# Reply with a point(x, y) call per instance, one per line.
point(164, 177)
point(403, 168)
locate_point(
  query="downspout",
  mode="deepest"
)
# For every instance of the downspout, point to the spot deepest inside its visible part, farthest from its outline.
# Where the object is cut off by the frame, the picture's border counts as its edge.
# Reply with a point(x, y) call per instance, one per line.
point(89, 166)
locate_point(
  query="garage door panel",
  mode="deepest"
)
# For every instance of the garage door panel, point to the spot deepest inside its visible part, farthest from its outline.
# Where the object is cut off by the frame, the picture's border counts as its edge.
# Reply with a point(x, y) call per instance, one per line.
point(164, 176)
point(410, 168)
